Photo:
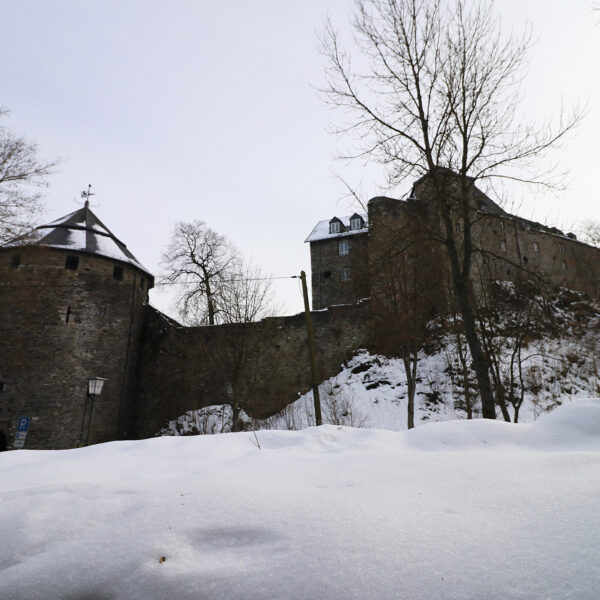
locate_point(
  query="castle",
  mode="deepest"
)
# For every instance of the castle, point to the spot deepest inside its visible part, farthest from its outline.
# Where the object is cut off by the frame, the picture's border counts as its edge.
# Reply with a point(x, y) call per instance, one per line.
point(74, 311)
point(346, 253)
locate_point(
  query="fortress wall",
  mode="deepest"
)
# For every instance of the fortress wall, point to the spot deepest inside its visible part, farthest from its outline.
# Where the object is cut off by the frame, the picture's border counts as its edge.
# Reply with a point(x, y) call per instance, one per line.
point(530, 250)
point(186, 368)
point(513, 247)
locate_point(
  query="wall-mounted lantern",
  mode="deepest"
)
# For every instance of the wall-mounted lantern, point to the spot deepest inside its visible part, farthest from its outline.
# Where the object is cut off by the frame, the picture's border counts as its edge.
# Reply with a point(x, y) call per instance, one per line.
point(95, 385)
point(94, 389)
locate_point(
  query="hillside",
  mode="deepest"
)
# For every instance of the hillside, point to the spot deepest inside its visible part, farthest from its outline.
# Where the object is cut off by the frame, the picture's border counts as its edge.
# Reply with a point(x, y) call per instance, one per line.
point(456, 510)
point(560, 361)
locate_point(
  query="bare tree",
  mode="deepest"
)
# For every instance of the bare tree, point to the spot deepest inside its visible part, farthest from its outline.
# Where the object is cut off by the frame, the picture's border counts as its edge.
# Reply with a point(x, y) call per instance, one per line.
point(203, 262)
point(21, 174)
point(219, 288)
point(438, 99)
point(510, 315)
point(248, 295)
point(237, 359)
point(589, 232)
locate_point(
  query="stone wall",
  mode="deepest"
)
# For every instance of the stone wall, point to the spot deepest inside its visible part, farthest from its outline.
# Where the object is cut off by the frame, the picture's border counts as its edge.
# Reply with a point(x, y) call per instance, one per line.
point(524, 249)
point(186, 368)
point(507, 247)
point(60, 327)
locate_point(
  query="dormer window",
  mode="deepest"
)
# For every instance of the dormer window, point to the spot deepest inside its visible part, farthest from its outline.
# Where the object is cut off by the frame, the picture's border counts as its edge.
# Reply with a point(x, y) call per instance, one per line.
point(356, 222)
point(335, 226)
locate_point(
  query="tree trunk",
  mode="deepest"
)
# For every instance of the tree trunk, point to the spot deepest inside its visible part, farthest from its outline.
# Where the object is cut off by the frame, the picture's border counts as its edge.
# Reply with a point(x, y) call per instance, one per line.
point(500, 399)
point(461, 282)
point(210, 304)
point(480, 363)
point(410, 366)
point(235, 418)
point(465, 370)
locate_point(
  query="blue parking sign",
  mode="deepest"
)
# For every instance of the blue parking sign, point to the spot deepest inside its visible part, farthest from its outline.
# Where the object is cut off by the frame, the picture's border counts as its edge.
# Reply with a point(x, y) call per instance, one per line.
point(23, 424)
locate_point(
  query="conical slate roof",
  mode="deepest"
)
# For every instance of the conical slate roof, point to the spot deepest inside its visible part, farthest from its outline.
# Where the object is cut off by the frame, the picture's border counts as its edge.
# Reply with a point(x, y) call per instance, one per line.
point(82, 231)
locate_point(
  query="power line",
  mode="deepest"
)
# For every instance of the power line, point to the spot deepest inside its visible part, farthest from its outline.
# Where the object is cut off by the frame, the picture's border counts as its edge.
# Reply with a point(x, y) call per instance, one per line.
point(228, 280)
point(79, 284)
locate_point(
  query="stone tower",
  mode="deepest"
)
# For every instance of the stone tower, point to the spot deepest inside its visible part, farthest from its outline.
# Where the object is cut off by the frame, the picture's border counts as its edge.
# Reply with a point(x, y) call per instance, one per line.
point(71, 308)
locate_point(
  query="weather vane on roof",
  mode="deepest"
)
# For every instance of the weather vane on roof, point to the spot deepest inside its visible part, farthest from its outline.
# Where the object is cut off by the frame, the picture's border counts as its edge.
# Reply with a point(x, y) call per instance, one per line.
point(86, 195)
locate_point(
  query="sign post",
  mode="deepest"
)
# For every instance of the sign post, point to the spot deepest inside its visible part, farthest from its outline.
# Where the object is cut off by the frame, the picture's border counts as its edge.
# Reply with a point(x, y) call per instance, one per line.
point(21, 433)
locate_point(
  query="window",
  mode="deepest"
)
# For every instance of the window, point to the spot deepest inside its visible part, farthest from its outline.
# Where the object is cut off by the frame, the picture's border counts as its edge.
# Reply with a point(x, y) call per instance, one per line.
point(355, 223)
point(142, 283)
point(536, 247)
point(502, 246)
point(564, 266)
point(343, 248)
point(118, 273)
point(334, 227)
point(502, 225)
point(562, 248)
point(72, 262)
point(457, 227)
point(16, 260)
point(326, 274)
point(345, 274)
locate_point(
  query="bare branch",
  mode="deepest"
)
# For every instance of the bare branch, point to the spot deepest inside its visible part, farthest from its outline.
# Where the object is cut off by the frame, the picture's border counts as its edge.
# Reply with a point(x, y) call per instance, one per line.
point(21, 174)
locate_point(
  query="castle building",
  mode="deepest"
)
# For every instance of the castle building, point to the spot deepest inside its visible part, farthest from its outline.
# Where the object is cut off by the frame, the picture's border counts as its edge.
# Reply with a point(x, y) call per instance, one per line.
point(338, 259)
point(71, 309)
point(74, 311)
point(346, 254)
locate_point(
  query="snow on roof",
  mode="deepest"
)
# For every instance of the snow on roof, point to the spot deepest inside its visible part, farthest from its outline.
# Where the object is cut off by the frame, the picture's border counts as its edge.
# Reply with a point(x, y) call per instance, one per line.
point(82, 231)
point(321, 230)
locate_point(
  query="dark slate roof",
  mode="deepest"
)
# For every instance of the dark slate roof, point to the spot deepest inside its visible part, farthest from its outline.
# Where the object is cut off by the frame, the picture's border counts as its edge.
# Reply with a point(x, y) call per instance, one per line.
point(82, 231)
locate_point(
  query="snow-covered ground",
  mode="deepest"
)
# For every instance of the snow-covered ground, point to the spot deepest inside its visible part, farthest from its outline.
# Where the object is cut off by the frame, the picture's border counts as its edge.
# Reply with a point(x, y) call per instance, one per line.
point(477, 510)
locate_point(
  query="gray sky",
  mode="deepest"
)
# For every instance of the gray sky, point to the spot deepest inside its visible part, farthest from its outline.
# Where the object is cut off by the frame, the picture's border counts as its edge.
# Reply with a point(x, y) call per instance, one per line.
point(180, 110)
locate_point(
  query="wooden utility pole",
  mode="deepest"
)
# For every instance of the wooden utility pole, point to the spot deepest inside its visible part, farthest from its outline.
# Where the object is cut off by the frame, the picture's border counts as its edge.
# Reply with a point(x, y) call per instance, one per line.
point(312, 351)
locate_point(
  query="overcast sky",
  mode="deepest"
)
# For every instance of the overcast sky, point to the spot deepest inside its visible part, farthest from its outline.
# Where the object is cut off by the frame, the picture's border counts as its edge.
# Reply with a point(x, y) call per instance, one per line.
point(182, 110)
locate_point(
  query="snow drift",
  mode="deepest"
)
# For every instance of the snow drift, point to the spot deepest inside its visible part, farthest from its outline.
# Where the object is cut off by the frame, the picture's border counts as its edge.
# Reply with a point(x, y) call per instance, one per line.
point(461, 509)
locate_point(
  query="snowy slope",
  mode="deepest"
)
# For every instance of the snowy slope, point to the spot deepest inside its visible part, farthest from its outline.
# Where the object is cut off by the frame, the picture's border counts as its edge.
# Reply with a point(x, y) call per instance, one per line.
point(370, 391)
point(455, 510)
point(547, 355)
